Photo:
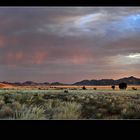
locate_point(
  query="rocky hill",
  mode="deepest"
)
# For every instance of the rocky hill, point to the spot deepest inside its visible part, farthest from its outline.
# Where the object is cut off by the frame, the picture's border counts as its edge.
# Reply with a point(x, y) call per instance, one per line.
point(129, 80)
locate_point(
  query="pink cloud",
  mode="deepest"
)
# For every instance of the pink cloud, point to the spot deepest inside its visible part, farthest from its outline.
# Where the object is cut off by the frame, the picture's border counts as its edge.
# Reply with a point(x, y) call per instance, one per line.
point(7, 41)
point(39, 57)
point(15, 56)
point(82, 56)
point(79, 59)
point(2, 41)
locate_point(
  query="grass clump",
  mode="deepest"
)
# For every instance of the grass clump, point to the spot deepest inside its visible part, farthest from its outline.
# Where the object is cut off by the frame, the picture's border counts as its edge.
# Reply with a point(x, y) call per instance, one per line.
point(68, 110)
point(6, 112)
point(57, 109)
point(29, 113)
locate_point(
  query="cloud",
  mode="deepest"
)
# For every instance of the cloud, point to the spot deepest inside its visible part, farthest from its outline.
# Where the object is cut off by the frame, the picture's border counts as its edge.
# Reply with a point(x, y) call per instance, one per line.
point(2, 41)
point(68, 44)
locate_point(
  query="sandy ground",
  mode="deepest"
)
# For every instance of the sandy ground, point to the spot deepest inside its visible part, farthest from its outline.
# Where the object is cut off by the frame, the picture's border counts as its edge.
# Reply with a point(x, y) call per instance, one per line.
point(5, 85)
point(65, 87)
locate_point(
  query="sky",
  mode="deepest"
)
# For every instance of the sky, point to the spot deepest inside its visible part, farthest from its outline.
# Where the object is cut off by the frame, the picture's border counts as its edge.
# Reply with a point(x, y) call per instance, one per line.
point(69, 44)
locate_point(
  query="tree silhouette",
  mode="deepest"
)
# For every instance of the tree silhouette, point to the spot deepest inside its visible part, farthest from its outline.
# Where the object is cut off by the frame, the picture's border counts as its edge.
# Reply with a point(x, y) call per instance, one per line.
point(113, 87)
point(123, 86)
point(83, 87)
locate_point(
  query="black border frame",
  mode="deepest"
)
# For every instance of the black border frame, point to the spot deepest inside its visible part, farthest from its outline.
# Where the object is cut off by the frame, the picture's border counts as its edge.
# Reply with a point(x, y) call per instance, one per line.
point(69, 2)
point(70, 128)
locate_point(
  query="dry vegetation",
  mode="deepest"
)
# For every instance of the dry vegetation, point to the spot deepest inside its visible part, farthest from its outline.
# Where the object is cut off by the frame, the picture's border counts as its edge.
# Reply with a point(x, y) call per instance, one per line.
point(54, 103)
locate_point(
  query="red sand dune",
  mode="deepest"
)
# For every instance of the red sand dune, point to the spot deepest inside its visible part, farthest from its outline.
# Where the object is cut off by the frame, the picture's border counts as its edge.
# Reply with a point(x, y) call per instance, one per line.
point(5, 85)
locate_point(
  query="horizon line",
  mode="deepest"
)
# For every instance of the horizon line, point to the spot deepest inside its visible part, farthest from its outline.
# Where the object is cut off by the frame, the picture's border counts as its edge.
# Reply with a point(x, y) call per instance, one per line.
point(69, 83)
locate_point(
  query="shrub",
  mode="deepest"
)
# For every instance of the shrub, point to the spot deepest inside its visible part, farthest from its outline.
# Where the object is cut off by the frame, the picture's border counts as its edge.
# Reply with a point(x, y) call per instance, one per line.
point(134, 88)
point(84, 88)
point(123, 85)
point(113, 87)
point(6, 97)
point(65, 91)
point(37, 100)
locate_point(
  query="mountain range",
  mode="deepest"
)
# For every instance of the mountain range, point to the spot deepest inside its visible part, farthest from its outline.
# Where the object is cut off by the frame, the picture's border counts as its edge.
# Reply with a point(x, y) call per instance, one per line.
point(129, 80)
point(31, 83)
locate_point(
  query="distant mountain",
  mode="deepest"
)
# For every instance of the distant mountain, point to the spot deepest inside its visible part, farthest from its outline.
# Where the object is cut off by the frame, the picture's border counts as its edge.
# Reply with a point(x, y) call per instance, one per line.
point(31, 83)
point(45, 83)
point(27, 83)
point(57, 83)
point(129, 80)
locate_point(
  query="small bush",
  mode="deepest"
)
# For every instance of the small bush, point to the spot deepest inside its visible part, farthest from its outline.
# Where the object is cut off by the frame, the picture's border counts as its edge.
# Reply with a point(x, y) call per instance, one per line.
point(113, 87)
point(133, 88)
point(84, 88)
point(66, 91)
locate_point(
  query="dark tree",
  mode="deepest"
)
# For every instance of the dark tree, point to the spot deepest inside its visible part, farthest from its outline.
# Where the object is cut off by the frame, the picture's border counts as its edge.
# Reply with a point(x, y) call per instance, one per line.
point(123, 86)
point(113, 87)
point(83, 87)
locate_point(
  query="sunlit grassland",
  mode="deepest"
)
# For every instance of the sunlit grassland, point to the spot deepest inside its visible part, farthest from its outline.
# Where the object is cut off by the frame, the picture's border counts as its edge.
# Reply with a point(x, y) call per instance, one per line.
point(54, 103)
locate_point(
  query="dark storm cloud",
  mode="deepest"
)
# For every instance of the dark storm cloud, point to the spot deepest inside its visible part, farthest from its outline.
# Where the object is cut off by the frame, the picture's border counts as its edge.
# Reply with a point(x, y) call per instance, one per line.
point(69, 44)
